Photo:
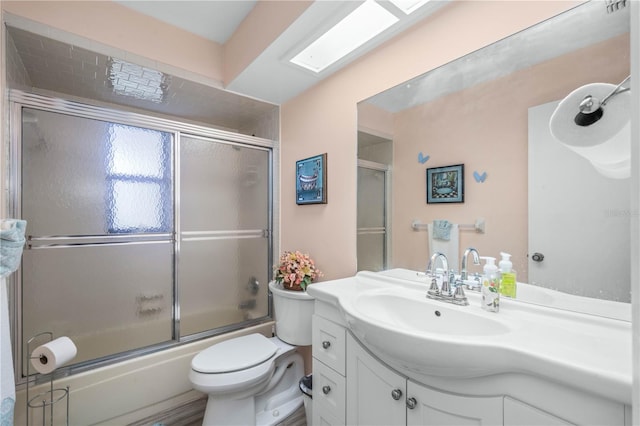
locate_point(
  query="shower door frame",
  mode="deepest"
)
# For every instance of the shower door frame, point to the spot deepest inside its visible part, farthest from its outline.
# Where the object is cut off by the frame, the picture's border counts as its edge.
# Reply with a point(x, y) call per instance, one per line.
point(18, 100)
point(386, 229)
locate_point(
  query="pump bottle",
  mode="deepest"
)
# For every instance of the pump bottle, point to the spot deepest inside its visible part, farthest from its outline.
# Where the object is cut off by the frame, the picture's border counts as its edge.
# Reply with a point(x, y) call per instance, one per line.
point(490, 285)
point(508, 283)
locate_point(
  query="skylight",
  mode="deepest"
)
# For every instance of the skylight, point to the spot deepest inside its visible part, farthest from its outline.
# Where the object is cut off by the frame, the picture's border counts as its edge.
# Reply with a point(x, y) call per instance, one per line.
point(408, 6)
point(360, 26)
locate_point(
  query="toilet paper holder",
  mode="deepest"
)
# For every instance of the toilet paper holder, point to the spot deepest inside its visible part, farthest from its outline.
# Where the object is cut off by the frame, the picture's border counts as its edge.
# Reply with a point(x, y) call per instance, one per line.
point(49, 398)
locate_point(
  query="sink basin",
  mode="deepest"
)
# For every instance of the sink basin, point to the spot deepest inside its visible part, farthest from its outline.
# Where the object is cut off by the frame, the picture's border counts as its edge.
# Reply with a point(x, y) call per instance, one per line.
point(431, 341)
point(409, 331)
point(421, 315)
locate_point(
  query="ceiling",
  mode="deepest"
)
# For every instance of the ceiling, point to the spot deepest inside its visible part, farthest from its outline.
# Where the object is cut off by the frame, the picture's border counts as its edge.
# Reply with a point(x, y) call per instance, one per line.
point(217, 20)
point(60, 67)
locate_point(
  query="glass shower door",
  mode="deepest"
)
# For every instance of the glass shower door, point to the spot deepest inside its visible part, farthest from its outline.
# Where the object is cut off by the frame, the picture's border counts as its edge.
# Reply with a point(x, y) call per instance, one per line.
point(372, 216)
point(224, 235)
point(97, 197)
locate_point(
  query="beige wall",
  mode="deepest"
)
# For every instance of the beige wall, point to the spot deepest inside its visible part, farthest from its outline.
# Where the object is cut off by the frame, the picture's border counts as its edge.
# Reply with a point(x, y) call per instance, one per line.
point(256, 33)
point(485, 127)
point(114, 25)
point(324, 118)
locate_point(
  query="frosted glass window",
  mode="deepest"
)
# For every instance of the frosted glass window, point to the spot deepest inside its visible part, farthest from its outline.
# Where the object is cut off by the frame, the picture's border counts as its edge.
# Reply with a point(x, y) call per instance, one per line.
point(128, 197)
point(134, 151)
point(139, 167)
point(90, 177)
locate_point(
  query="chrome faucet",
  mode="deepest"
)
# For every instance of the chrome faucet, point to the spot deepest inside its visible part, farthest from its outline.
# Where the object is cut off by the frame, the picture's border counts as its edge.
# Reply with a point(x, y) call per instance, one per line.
point(431, 269)
point(444, 293)
point(463, 262)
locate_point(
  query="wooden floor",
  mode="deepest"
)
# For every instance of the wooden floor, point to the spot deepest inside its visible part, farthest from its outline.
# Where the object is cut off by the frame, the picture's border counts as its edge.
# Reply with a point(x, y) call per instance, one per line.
point(192, 414)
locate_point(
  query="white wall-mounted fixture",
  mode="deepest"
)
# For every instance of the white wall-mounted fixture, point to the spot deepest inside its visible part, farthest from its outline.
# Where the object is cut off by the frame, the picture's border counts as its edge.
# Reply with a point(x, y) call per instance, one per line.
point(364, 23)
point(595, 122)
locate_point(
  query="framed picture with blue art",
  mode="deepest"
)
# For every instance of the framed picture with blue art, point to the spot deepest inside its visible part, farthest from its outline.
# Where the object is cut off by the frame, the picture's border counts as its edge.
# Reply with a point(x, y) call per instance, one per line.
point(311, 180)
point(445, 184)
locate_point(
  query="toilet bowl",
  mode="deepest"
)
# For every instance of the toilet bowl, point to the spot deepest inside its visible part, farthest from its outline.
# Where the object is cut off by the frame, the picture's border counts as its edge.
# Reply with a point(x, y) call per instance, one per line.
point(254, 380)
point(250, 380)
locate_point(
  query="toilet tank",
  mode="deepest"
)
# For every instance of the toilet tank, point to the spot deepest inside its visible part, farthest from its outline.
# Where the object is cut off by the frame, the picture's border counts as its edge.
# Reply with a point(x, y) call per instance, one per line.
point(293, 311)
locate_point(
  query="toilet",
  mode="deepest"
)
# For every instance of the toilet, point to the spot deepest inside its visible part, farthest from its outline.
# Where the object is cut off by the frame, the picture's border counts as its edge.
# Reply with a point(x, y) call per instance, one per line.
point(253, 379)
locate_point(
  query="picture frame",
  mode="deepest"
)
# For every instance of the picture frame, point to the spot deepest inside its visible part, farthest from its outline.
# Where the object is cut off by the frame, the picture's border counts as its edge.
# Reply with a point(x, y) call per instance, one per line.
point(311, 180)
point(445, 184)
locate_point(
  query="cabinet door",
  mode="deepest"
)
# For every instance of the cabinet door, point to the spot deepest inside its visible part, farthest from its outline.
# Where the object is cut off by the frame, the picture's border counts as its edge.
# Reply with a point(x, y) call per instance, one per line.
point(328, 395)
point(375, 394)
point(518, 413)
point(433, 408)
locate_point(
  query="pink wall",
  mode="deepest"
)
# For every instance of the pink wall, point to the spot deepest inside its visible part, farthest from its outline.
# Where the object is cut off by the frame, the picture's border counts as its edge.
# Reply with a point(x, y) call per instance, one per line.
point(324, 118)
point(266, 21)
point(485, 127)
point(117, 26)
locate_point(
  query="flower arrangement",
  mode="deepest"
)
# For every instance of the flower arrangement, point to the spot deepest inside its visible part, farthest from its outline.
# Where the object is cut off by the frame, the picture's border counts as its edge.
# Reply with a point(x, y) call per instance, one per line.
point(296, 271)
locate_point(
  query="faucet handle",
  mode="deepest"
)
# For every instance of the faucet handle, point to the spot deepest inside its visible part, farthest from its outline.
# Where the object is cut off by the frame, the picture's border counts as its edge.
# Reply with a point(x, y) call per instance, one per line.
point(459, 297)
point(433, 289)
point(445, 289)
point(459, 293)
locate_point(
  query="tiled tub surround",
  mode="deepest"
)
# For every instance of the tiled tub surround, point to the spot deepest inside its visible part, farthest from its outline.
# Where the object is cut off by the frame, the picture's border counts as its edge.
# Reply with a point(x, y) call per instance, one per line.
point(552, 364)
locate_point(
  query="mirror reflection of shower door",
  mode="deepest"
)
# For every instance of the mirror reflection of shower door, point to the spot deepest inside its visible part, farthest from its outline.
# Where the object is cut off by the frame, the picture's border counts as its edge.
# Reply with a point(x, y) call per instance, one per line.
point(224, 233)
point(372, 216)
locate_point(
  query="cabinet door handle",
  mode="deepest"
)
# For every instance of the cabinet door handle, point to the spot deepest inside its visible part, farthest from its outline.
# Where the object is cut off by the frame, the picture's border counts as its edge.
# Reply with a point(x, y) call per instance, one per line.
point(411, 403)
point(396, 394)
point(326, 344)
point(326, 389)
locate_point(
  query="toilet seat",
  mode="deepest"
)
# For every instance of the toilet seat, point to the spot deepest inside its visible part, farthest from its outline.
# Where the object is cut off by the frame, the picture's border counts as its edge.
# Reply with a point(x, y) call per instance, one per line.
point(233, 355)
point(234, 365)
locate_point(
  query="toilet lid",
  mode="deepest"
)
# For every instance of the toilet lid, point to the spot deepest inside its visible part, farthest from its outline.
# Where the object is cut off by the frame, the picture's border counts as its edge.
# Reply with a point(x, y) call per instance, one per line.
point(235, 354)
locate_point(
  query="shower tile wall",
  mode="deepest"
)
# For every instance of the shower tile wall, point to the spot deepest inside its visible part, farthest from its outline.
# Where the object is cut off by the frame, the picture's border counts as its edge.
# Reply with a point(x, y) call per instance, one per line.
point(62, 68)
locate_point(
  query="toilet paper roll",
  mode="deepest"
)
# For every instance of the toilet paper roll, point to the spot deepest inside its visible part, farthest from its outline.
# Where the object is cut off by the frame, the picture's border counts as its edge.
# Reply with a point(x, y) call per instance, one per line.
point(56, 353)
point(615, 119)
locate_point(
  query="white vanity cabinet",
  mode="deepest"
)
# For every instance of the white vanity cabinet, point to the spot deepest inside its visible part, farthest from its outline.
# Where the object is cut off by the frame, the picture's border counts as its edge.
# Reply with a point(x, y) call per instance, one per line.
point(351, 386)
point(329, 370)
point(378, 396)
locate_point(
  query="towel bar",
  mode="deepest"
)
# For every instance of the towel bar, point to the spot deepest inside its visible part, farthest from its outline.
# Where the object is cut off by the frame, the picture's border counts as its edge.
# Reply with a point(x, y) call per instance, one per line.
point(478, 226)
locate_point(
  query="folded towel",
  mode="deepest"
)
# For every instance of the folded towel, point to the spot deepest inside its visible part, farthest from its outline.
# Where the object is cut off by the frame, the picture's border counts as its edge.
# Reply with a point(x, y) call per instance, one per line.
point(7, 382)
point(11, 244)
point(441, 230)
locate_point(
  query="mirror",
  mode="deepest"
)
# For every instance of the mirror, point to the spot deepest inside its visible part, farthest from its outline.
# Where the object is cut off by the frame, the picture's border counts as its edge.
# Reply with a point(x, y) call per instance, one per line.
point(488, 110)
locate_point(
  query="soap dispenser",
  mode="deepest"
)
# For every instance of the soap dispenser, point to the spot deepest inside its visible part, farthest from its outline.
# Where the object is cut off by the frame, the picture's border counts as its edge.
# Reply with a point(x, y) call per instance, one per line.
point(490, 285)
point(508, 281)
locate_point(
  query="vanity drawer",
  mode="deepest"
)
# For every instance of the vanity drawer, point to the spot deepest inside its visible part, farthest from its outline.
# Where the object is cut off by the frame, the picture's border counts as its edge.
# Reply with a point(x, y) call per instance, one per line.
point(329, 343)
point(329, 394)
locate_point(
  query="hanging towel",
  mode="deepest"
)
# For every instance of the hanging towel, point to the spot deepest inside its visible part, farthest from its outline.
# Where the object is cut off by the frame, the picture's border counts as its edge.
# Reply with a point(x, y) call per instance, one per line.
point(441, 230)
point(11, 244)
point(7, 382)
point(448, 247)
